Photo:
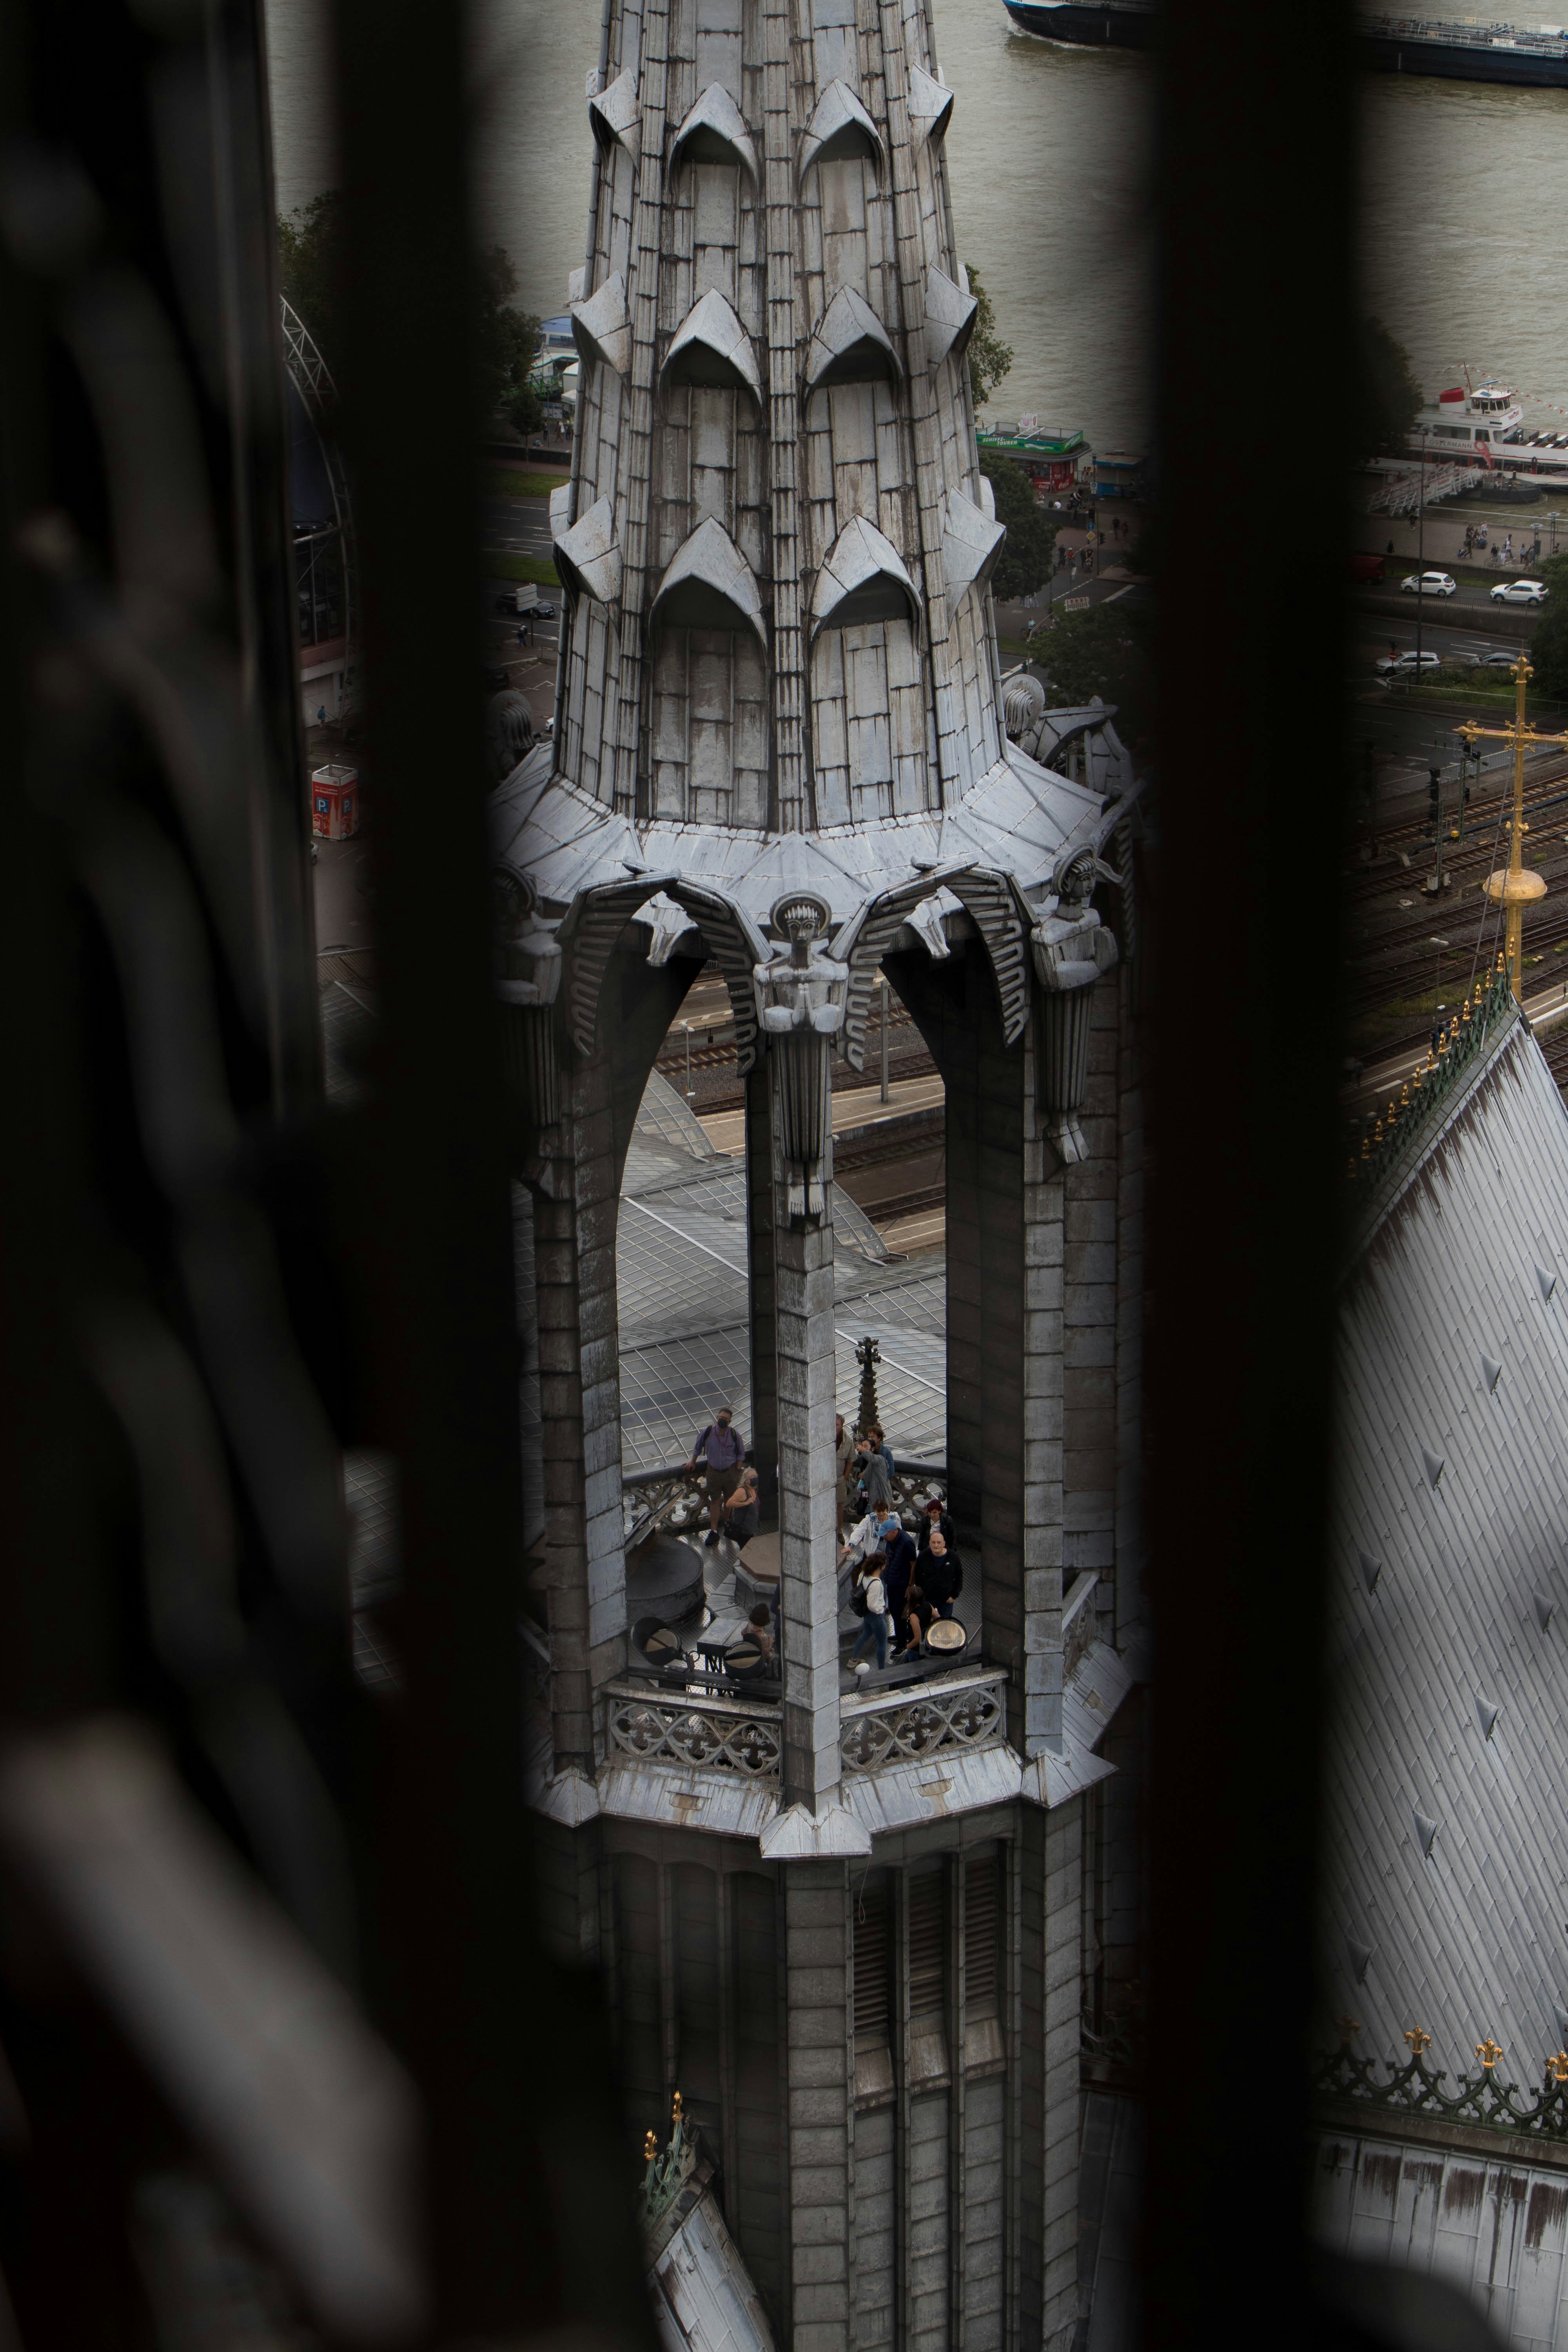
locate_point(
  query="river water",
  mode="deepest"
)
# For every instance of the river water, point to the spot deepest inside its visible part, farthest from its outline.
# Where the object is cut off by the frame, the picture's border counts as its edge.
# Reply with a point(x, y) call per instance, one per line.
point(1463, 190)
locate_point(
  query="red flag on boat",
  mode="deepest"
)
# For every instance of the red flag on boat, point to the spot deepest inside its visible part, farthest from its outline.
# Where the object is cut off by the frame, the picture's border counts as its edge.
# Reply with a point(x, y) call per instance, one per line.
point(1457, 394)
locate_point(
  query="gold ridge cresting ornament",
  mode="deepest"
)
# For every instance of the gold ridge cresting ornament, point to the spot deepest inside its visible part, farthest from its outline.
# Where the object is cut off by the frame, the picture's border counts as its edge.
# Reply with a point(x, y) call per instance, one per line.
point(1420, 2040)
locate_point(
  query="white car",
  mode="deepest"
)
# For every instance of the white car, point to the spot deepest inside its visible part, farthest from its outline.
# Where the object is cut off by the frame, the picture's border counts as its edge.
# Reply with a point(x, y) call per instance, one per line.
point(1519, 592)
point(1387, 666)
point(1429, 583)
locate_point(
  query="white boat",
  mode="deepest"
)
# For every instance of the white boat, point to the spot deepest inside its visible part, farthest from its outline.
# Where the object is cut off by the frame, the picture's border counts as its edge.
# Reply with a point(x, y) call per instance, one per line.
point(1483, 424)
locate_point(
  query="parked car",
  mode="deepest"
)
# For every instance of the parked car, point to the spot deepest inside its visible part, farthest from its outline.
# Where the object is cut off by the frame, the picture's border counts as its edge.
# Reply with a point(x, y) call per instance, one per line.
point(1387, 664)
point(1519, 592)
point(1429, 583)
point(1497, 661)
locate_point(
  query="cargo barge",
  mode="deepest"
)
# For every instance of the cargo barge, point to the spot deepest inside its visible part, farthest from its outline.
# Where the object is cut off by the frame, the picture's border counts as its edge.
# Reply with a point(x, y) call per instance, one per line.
point(1404, 45)
point(1504, 53)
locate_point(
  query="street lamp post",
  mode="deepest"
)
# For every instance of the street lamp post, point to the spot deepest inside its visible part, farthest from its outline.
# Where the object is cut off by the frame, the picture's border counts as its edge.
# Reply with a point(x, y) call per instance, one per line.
point(1437, 978)
point(1420, 549)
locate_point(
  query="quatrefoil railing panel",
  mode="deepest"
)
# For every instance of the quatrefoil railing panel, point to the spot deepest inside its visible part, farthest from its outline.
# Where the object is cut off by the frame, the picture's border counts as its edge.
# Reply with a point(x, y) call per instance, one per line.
point(907, 1726)
point(681, 1728)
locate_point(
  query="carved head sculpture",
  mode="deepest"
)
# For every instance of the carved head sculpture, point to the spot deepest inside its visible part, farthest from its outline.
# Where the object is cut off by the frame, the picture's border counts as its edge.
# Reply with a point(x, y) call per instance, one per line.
point(1075, 888)
point(527, 952)
point(801, 917)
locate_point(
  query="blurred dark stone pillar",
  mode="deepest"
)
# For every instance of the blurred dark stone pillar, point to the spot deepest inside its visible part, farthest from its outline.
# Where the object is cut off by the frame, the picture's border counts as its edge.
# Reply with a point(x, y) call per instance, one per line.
point(1255, 204)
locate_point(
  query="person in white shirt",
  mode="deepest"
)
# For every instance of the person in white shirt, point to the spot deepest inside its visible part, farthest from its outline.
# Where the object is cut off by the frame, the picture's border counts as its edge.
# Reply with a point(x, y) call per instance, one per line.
point(875, 1628)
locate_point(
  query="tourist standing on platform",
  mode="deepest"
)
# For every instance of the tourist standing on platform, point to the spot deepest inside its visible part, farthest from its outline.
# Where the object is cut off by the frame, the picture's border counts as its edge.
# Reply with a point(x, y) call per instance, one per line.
point(875, 1474)
point(936, 1515)
point(938, 1573)
point(875, 1629)
point(723, 1449)
point(843, 1463)
point(900, 1549)
point(742, 1509)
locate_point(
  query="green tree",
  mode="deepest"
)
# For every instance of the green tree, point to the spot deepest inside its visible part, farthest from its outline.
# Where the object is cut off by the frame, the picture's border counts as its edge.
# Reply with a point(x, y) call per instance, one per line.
point(1106, 651)
point(989, 357)
point(311, 267)
point(1549, 638)
point(312, 270)
point(1387, 392)
point(1025, 561)
point(507, 342)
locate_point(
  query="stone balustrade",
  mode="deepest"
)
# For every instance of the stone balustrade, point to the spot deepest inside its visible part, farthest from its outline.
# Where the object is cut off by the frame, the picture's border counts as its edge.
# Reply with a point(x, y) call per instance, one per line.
point(963, 1709)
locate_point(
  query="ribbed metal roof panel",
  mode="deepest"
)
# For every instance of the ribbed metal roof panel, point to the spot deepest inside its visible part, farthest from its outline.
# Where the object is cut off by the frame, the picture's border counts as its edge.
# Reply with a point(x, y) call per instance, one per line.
point(1474, 1939)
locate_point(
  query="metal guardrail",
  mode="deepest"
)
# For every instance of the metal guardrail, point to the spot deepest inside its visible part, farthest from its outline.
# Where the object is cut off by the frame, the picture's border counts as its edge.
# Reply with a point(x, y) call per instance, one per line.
point(670, 1496)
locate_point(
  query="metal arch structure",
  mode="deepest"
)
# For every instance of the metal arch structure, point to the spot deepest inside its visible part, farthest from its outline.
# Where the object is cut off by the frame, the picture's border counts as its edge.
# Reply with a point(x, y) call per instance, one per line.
point(313, 380)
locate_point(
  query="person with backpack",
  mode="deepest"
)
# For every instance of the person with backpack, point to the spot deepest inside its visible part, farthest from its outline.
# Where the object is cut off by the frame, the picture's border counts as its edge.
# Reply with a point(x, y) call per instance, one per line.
point(869, 1599)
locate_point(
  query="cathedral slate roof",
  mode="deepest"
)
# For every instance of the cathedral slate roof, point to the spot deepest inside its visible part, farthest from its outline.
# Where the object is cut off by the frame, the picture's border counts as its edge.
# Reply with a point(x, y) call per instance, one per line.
point(1444, 1903)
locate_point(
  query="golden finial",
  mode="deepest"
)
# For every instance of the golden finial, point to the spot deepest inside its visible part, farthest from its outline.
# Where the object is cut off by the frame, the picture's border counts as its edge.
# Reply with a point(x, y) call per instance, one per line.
point(1350, 1170)
point(1442, 1042)
point(1467, 1012)
point(674, 2110)
point(1377, 1132)
point(1488, 2051)
point(1346, 2026)
point(1420, 2040)
point(1366, 1147)
point(1405, 1096)
point(1557, 2067)
point(649, 2148)
point(1454, 1027)
point(1393, 1110)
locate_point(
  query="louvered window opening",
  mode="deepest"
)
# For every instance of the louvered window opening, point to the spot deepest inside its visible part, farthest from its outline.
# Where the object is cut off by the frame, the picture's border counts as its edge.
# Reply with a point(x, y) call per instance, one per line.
point(981, 1923)
point(873, 1980)
point(927, 1941)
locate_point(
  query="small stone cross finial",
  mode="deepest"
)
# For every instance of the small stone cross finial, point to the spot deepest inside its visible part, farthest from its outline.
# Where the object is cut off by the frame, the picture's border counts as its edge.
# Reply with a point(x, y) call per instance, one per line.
point(1420, 2040)
point(1488, 2051)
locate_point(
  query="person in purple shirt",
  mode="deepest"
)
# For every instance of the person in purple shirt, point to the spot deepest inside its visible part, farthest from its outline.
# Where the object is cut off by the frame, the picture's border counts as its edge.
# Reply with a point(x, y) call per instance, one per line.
point(723, 1448)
